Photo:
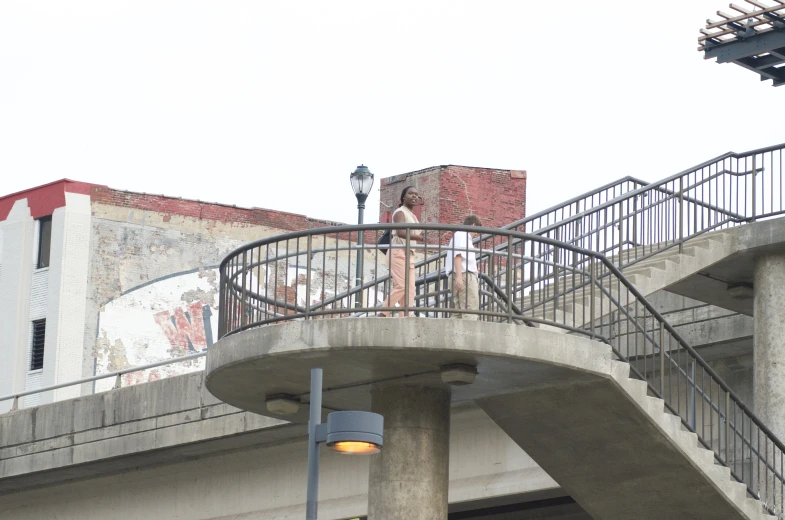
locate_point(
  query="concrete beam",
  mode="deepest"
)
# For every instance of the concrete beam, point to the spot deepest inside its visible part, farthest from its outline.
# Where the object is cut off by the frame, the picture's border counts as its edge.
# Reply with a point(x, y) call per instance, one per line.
point(154, 423)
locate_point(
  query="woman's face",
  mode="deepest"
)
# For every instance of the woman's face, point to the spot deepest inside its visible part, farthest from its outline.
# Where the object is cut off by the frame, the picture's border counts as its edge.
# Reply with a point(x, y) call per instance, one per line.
point(411, 198)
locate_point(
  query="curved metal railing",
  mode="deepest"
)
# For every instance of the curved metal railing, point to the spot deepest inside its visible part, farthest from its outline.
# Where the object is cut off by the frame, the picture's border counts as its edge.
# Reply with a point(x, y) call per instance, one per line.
point(629, 220)
point(526, 279)
point(544, 218)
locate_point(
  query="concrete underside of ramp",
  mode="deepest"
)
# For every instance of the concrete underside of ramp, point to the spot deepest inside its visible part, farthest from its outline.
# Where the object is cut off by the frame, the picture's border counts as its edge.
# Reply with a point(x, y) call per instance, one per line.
point(561, 398)
point(606, 453)
point(710, 285)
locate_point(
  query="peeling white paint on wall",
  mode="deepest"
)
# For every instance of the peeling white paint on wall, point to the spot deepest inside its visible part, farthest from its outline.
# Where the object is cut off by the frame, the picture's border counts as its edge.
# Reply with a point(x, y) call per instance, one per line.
point(166, 319)
point(177, 315)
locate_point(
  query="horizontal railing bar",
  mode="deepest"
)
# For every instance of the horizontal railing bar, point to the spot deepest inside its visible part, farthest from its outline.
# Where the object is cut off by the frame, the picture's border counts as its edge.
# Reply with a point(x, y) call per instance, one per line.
point(573, 200)
point(103, 376)
point(655, 185)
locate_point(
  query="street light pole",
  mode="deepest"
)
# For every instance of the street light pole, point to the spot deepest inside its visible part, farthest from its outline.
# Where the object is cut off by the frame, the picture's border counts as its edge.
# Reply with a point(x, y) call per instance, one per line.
point(315, 419)
point(358, 278)
point(349, 432)
point(362, 182)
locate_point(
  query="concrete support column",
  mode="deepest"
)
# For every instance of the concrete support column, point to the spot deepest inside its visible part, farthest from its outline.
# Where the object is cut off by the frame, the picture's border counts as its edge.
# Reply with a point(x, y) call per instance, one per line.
point(769, 340)
point(409, 479)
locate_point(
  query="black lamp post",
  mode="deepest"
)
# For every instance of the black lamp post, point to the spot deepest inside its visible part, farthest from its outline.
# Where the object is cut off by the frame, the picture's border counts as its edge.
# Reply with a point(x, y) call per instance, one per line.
point(362, 182)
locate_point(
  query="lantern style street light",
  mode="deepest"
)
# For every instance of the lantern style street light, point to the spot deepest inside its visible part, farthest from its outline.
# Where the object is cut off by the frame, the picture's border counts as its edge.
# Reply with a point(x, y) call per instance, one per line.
point(362, 182)
point(350, 432)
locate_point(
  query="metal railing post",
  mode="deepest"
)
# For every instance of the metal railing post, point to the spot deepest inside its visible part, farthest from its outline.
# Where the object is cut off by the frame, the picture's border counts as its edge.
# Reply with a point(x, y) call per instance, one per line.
point(556, 257)
point(634, 227)
point(508, 282)
point(243, 311)
point(591, 296)
point(727, 427)
point(222, 299)
point(662, 360)
point(308, 278)
point(681, 215)
point(692, 395)
point(754, 190)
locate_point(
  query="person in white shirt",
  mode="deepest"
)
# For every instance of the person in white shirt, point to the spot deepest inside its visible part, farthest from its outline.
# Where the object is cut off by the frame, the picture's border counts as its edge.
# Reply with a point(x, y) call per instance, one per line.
point(461, 266)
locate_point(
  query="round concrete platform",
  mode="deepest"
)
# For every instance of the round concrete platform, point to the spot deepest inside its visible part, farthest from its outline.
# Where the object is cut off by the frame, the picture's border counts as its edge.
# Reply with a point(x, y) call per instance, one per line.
point(245, 368)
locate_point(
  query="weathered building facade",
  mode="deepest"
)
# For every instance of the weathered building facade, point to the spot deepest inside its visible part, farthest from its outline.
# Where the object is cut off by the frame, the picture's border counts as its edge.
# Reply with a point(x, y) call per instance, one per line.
point(131, 278)
point(530, 454)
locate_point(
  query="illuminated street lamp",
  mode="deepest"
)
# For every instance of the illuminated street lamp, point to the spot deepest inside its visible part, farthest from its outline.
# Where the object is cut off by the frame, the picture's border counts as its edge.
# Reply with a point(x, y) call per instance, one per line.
point(350, 432)
point(362, 182)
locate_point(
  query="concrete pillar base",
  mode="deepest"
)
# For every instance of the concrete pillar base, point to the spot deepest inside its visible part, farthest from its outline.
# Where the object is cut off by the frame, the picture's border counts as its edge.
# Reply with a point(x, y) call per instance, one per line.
point(409, 478)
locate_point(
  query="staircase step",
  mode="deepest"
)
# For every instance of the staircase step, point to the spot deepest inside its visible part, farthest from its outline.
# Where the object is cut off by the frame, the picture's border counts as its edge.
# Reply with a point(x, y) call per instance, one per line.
point(637, 389)
point(655, 405)
point(705, 456)
point(620, 370)
point(660, 264)
point(756, 506)
point(690, 438)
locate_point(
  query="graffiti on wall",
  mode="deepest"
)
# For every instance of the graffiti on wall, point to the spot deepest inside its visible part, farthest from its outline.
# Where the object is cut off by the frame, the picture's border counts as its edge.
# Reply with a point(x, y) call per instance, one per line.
point(169, 318)
point(178, 315)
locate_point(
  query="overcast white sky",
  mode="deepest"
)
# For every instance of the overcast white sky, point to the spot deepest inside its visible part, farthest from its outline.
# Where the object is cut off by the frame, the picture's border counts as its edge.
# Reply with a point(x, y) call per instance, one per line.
point(273, 104)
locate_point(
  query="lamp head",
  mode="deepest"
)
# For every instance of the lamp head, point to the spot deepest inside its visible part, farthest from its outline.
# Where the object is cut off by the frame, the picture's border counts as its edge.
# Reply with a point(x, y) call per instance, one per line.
point(355, 433)
point(362, 181)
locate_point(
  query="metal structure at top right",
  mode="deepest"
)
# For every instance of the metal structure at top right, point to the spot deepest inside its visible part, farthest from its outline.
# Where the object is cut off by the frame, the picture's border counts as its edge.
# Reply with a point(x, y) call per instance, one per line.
point(754, 38)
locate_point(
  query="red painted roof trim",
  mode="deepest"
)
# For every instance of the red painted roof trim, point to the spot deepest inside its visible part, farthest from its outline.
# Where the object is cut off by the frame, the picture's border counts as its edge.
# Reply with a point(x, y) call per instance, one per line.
point(43, 200)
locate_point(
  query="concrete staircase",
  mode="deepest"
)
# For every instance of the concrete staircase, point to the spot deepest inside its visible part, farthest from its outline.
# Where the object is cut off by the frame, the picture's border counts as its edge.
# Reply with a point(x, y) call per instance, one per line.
point(668, 267)
point(627, 449)
point(649, 275)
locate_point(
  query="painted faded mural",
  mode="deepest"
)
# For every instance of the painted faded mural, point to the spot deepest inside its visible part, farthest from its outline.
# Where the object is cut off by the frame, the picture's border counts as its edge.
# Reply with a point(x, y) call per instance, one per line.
point(177, 315)
point(169, 318)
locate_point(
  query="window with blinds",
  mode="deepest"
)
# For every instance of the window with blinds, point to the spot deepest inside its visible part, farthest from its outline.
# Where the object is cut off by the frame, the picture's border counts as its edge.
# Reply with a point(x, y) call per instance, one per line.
point(37, 348)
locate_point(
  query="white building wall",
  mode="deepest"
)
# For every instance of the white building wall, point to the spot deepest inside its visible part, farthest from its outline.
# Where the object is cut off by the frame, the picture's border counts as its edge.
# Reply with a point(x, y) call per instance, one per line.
point(65, 312)
point(15, 286)
point(1, 252)
point(38, 309)
point(56, 293)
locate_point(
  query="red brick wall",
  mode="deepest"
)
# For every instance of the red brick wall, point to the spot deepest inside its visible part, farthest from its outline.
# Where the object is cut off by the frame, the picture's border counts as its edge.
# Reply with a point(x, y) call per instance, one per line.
point(219, 212)
point(207, 210)
point(450, 193)
point(427, 184)
point(498, 197)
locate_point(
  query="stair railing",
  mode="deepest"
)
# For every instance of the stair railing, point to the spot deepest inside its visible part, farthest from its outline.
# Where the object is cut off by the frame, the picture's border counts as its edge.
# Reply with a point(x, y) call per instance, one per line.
point(577, 291)
point(721, 193)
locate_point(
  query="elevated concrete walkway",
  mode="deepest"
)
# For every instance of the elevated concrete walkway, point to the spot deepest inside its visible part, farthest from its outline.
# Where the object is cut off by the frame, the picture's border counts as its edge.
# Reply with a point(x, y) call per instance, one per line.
point(561, 398)
point(163, 440)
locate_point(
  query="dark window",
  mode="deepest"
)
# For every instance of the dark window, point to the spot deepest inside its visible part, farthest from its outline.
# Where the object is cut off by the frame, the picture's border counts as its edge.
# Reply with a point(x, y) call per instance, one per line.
point(44, 240)
point(37, 350)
